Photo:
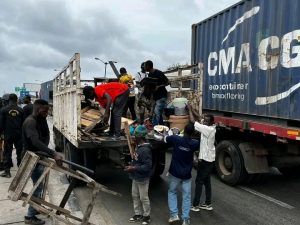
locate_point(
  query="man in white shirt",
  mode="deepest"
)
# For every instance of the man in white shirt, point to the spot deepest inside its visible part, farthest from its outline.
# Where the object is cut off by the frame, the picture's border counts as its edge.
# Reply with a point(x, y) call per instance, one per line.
point(206, 160)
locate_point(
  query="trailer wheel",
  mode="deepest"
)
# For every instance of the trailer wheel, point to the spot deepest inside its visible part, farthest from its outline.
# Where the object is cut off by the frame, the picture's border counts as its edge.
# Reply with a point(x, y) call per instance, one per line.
point(229, 163)
point(158, 163)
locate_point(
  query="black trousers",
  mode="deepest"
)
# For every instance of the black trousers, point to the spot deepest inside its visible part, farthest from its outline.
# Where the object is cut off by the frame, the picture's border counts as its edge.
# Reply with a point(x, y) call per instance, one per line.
point(8, 148)
point(131, 106)
point(116, 113)
point(203, 178)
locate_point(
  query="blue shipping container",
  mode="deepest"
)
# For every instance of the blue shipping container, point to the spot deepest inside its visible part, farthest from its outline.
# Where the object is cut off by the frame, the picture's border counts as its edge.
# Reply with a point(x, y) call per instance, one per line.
point(251, 56)
point(46, 92)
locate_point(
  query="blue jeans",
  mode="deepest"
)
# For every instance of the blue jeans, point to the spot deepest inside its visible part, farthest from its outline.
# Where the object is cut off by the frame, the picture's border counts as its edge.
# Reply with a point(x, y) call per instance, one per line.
point(37, 172)
point(158, 111)
point(186, 196)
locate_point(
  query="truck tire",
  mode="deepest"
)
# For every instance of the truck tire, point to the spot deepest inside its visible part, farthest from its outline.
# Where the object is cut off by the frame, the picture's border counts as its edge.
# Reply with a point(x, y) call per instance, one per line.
point(158, 163)
point(229, 163)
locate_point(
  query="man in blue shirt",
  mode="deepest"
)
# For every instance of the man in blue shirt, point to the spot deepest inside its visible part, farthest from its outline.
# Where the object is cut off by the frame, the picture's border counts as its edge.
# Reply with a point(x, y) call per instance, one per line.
point(180, 173)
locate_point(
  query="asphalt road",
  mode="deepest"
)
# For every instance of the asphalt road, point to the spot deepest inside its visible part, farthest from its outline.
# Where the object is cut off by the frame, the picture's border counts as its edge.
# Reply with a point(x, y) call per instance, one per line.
point(274, 200)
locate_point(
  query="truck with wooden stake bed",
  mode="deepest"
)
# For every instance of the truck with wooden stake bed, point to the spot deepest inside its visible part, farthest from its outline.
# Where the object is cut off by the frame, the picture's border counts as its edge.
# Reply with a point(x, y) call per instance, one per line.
point(76, 125)
point(251, 78)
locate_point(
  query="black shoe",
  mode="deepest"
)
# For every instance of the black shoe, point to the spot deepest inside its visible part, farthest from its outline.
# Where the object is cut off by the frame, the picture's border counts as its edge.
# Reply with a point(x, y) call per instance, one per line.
point(146, 220)
point(135, 218)
point(33, 220)
point(1, 166)
point(6, 174)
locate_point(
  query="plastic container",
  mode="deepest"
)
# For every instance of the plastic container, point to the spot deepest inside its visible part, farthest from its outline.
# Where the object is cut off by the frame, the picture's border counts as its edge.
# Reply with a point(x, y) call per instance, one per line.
point(180, 111)
point(179, 122)
point(179, 102)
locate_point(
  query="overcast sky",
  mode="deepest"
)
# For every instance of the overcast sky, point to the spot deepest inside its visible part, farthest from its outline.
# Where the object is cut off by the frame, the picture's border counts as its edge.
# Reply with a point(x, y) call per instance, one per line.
point(38, 36)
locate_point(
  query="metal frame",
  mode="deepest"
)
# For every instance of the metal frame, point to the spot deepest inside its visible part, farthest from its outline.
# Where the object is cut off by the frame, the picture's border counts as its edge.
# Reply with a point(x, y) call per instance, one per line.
point(67, 99)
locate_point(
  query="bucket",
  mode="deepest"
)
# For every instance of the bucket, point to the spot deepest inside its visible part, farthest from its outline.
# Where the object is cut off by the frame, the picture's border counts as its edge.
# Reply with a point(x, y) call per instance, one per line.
point(179, 121)
point(180, 111)
point(179, 102)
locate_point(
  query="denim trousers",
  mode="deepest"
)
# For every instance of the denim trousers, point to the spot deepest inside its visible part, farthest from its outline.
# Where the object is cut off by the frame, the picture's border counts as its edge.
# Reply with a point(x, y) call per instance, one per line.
point(116, 113)
point(186, 196)
point(141, 202)
point(203, 179)
point(37, 172)
point(158, 111)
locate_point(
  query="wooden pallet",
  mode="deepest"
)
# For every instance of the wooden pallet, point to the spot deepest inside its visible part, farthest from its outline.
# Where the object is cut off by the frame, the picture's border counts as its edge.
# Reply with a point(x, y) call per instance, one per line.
point(20, 181)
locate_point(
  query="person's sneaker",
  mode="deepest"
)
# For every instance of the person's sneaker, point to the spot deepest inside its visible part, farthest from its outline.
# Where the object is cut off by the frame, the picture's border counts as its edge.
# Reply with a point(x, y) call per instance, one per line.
point(195, 208)
point(186, 222)
point(135, 218)
point(6, 174)
point(174, 220)
point(206, 207)
point(33, 220)
point(145, 220)
point(116, 137)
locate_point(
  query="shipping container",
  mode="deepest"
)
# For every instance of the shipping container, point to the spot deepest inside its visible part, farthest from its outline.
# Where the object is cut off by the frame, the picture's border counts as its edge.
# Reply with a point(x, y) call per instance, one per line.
point(250, 53)
point(46, 91)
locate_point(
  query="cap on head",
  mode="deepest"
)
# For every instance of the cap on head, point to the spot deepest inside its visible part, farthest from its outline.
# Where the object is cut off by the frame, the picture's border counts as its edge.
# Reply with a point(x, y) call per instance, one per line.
point(140, 131)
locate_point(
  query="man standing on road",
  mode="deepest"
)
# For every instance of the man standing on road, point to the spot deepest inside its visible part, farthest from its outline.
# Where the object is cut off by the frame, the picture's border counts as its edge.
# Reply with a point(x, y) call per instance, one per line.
point(36, 137)
point(110, 94)
point(11, 120)
point(206, 159)
point(160, 95)
point(140, 170)
point(180, 173)
point(28, 108)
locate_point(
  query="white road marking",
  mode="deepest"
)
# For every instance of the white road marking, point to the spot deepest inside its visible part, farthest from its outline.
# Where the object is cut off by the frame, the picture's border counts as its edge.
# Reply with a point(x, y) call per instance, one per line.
point(280, 203)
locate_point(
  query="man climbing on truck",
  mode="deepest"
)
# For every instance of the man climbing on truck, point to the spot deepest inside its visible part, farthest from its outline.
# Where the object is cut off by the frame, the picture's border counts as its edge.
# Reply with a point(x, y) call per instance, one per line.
point(109, 95)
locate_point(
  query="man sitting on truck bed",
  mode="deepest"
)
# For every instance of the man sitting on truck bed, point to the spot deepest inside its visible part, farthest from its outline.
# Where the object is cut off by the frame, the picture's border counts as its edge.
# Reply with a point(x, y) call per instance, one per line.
point(110, 94)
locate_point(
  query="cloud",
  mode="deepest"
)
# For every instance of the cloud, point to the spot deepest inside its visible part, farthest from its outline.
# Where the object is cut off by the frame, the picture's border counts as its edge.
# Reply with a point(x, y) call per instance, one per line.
point(38, 36)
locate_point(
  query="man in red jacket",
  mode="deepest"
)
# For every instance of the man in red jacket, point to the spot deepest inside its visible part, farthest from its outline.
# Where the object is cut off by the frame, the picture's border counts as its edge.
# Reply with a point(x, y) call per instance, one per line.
point(110, 94)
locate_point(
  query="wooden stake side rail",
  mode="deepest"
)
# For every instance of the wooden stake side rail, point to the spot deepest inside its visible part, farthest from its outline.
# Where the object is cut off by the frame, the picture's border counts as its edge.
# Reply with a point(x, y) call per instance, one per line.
point(20, 181)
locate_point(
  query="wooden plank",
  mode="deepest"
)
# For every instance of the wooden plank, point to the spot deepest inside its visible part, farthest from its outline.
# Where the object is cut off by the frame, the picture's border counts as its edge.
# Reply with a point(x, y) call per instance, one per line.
point(85, 122)
point(88, 118)
point(23, 175)
point(85, 109)
point(41, 178)
point(88, 211)
point(43, 202)
point(92, 115)
point(129, 140)
point(91, 126)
